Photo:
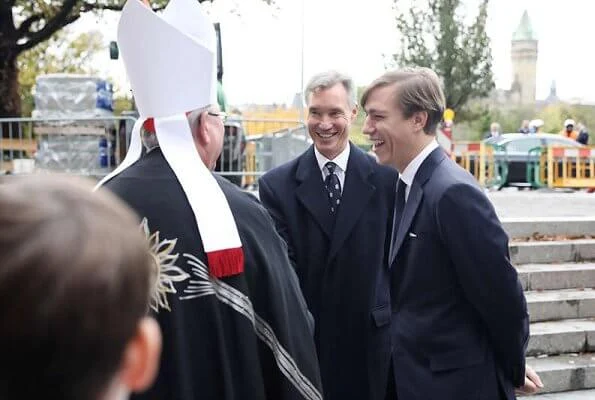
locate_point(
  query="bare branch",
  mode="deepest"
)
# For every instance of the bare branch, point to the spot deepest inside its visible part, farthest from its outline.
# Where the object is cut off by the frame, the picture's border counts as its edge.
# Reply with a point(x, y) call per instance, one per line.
point(111, 7)
point(58, 21)
point(23, 30)
point(94, 6)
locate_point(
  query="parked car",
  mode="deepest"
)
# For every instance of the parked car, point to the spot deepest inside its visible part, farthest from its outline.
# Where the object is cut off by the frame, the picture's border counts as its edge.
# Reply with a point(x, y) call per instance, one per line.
point(515, 150)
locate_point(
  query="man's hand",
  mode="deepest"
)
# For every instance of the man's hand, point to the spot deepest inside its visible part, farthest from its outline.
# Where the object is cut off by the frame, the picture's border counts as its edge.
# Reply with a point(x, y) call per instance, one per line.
point(532, 382)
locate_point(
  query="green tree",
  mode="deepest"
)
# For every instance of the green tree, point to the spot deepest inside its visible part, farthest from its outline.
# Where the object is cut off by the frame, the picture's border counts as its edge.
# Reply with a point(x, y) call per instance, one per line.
point(56, 55)
point(438, 37)
point(122, 103)
point(356, 134)
point(475, 119)
point(24, 24)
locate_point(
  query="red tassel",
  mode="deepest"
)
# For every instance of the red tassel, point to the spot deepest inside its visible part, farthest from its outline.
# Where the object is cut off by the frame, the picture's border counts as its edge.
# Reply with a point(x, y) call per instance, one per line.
point(149, 125)
point(226, 262)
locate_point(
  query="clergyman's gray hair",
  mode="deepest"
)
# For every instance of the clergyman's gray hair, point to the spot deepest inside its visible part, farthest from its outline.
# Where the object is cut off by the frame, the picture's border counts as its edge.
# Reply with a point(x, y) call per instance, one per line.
point(149, 138)
point(328, 79)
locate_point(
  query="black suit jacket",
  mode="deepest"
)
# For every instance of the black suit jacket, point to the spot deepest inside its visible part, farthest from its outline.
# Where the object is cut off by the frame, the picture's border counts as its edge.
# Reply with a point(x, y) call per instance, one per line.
point(211, 348)
point(460, 322)
point(338, 264)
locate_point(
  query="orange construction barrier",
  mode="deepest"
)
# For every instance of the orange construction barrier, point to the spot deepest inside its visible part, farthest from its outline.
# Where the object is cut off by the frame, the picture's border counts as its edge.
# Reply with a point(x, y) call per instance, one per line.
point(569, 167)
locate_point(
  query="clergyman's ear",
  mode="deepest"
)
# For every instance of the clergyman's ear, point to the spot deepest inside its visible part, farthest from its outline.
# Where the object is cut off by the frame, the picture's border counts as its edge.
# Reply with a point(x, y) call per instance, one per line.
point(201, 132)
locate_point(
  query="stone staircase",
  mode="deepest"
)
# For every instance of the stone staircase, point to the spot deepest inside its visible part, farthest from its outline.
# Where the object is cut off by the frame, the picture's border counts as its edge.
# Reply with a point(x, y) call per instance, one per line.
point(559, 282)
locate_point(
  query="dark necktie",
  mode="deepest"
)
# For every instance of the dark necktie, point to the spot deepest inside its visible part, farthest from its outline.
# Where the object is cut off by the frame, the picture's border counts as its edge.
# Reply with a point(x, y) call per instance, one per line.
point(333, 186)
point(399, 207)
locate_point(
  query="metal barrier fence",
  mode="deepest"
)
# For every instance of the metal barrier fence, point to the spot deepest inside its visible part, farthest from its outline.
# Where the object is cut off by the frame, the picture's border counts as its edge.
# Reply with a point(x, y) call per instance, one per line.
point(82, 146)
point(533, 171)
point(553, 167)
point(568, 167)
point(94, 146)
point(487, 163)
point(277, 143)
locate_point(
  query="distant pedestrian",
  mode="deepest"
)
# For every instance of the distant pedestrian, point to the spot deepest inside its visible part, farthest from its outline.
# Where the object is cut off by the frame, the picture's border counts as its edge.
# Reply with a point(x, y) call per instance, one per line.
point(535, 125)
point(495, 131)
point(569, 130)
point(524, 127)
point(583, 135)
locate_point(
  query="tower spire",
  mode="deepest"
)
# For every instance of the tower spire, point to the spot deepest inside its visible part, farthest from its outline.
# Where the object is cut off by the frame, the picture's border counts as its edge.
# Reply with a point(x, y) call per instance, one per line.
point(524, 31)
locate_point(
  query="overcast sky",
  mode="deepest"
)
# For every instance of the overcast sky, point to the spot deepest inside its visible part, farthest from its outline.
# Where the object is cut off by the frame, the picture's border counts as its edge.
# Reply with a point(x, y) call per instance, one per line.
point(262, 48)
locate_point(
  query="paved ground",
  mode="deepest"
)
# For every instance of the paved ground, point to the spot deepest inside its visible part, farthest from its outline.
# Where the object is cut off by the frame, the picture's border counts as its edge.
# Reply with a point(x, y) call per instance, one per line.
point(581, 395)
point(513, 203)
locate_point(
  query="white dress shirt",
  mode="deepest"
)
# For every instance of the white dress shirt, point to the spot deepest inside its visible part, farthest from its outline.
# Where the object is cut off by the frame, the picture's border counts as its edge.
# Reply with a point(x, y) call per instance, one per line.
point(340, 160)
point(411, 169)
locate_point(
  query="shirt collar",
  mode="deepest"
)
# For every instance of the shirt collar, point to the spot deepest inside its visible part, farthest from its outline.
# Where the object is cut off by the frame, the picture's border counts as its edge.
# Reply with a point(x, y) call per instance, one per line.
point(409, 173)
point(340, 160)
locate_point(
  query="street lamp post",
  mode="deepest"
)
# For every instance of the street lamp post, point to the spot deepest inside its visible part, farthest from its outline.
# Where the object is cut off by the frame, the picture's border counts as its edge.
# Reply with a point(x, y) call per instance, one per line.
point(302, 117)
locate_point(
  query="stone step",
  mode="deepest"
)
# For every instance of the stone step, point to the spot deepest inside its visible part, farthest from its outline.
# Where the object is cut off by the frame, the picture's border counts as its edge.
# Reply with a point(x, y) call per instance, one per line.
point(557, 276)
point(552, 252)
point(588, 394)
point(551, 305)
point(565, 372)
point(551, 226)
point(558, 337)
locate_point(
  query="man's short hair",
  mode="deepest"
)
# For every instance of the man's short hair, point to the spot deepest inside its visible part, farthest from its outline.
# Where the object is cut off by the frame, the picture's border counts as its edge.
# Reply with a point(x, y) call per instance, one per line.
point(418, 89)
point(147, 129)
point(328, 79)
point(75, 281)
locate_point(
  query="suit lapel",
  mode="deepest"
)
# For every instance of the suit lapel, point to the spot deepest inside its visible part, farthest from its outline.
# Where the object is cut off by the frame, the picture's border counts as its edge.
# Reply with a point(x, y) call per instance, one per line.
point(357, 193)
point(415, 196)
point(311, 193)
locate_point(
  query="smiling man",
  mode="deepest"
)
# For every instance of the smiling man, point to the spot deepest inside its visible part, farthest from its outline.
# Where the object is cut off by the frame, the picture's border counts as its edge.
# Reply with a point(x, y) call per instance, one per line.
point(459, 317)
point(333, 207)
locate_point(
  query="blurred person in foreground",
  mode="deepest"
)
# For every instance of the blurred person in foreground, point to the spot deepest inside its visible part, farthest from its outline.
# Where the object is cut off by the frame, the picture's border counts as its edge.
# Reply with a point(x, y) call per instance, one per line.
point(235, 324)
point(75, 281)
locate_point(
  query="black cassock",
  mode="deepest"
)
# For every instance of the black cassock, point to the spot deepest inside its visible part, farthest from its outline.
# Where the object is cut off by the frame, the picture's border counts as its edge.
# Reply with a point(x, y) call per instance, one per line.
point(243, 337)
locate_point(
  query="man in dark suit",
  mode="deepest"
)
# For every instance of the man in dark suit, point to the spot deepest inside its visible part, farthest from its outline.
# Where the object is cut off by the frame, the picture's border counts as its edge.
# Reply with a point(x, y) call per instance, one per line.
point(459, 317)
point(333, 206)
